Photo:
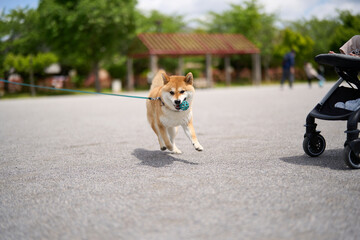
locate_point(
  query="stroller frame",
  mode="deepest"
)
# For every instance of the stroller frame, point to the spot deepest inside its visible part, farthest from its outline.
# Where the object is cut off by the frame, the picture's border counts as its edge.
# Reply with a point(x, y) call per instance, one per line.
point(347, 67)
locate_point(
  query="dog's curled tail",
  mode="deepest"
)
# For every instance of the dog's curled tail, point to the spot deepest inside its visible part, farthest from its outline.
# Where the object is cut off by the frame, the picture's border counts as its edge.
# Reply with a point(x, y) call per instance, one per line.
point(158, 79)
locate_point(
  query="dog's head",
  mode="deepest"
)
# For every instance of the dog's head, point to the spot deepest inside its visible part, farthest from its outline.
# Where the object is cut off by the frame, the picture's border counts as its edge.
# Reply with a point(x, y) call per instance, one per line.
point(177, 89)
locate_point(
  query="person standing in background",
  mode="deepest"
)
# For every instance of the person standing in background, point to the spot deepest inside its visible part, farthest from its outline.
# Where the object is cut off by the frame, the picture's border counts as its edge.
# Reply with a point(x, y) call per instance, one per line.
point(288, 67)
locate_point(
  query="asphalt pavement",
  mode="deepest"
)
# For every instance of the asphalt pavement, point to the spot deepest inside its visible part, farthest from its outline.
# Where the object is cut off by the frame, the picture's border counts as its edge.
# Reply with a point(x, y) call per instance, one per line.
point(90, 167)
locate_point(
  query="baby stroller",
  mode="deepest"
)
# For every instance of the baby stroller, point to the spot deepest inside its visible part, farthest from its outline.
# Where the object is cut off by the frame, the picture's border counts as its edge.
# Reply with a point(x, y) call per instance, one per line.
point(345, 89)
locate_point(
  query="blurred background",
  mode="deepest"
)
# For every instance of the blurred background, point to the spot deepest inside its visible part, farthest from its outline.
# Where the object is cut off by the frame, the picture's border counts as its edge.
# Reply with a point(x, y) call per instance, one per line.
point(84, 44)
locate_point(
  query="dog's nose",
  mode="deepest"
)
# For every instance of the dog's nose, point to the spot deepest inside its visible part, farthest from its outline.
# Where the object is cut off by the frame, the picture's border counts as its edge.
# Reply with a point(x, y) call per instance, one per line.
point(177, 102)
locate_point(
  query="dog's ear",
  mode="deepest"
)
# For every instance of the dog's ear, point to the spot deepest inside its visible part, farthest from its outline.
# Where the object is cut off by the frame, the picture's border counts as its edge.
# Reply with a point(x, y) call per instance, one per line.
point(189, 78)
point(165, 78)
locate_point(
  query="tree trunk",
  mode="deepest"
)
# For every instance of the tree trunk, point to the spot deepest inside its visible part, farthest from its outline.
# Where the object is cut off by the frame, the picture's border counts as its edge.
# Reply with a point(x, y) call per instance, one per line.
point(256, 68)
point(33, 91)
point(130, 74)
point(97, 80)
point(227, 71)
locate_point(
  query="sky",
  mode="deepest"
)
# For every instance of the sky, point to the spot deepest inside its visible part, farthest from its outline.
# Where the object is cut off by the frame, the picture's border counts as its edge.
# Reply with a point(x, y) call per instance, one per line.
point(287, 10)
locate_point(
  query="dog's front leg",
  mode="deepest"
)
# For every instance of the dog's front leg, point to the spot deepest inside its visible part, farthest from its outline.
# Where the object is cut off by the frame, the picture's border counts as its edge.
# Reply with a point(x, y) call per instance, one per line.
point(190, 133)
point(161, 142)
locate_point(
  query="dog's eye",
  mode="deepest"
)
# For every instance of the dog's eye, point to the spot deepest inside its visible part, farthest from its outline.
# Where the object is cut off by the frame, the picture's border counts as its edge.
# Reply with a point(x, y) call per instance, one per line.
point(172, 93)
point(182, 91)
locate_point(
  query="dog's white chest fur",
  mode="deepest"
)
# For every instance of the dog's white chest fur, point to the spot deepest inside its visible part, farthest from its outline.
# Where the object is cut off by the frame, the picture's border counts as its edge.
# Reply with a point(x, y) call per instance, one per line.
point(173, 119)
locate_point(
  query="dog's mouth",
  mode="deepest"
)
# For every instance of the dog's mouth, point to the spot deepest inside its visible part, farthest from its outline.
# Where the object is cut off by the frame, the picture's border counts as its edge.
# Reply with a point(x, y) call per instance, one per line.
point(178, 106)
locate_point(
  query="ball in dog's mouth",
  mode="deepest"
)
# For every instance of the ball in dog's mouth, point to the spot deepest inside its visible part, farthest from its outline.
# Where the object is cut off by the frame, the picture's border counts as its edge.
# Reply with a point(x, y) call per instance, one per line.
point(184, 105)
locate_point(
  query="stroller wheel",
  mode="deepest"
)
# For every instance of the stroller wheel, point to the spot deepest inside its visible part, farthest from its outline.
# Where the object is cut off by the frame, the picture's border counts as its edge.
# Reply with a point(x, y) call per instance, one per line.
point(314, 146)
point(351, 160)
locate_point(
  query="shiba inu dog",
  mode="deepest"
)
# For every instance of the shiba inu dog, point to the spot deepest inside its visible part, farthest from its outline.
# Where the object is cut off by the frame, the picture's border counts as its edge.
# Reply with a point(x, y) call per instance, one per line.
point(165, 114)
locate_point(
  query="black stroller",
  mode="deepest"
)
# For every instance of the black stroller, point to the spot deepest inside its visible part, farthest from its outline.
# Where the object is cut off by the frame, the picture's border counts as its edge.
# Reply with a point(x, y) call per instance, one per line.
point(347, 67)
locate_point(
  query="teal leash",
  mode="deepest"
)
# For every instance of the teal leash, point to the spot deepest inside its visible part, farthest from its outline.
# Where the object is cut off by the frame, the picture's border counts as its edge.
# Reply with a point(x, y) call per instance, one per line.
point(77, 91)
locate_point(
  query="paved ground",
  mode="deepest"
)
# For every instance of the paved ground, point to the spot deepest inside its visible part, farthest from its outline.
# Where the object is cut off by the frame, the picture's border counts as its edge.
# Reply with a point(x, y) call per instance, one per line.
point(88, 167)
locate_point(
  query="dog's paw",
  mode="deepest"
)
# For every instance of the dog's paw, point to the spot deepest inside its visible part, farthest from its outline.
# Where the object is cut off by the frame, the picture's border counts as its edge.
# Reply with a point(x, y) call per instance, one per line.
point(198, 147)
point(176, 151)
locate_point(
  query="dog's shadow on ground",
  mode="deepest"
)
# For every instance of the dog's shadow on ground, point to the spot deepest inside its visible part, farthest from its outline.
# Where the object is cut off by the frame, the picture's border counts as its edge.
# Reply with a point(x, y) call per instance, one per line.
point(157, 158)
point(332, 159)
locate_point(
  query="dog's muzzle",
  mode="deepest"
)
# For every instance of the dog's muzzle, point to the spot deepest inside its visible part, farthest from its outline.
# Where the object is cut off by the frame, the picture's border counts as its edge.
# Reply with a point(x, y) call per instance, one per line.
point(184, 105)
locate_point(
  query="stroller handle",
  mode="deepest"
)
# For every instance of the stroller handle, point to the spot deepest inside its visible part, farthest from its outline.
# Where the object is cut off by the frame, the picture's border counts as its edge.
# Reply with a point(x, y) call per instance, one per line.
point(340, 61)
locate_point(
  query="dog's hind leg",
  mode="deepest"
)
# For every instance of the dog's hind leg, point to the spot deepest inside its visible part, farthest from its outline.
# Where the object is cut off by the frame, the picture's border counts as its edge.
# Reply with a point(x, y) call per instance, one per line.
point(172, 134)
point(165, 137)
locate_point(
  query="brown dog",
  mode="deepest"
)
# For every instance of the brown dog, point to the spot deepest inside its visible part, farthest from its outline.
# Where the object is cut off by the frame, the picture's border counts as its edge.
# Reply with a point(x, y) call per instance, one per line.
point(165, 114)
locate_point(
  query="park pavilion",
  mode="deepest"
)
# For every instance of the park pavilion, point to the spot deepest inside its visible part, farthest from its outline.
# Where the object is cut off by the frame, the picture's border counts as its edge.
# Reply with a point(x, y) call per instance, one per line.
point(155, 45)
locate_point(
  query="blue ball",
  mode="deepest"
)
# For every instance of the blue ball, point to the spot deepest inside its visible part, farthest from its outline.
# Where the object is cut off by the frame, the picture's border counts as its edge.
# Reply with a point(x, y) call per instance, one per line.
point(184, 105)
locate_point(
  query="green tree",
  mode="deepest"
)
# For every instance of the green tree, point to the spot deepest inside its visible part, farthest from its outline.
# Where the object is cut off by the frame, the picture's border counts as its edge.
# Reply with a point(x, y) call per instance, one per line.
point(29, 64)
point(243, 18)
point(302, 44)
point(155, 21)
point(87, 31)
point(349, 26)
point(320, 31)
point(250, 20)
point(20, 33)
point(21, 63)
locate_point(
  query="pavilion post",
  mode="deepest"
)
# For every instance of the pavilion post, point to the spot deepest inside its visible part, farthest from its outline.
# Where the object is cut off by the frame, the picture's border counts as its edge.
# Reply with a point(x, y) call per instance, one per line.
point(130, 74)
point(153, 64)
point(227, 70)
point(256, 69)
point(209, 78)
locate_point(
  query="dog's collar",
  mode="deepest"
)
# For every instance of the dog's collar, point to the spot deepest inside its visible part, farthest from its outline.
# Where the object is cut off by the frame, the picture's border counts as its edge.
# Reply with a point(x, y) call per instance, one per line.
point(161, 101)
point(150, 98)
point(158, 98)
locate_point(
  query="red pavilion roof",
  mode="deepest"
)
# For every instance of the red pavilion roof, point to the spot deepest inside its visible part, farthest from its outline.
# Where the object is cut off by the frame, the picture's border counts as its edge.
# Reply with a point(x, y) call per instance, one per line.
point(191, 44)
